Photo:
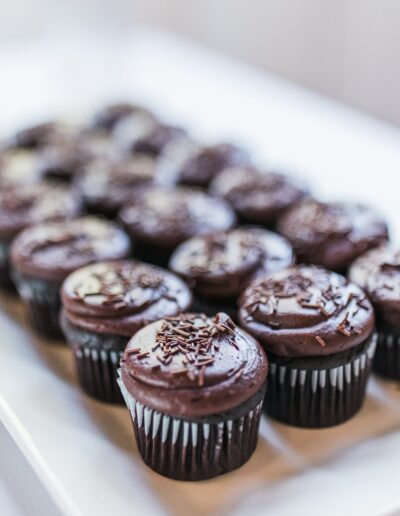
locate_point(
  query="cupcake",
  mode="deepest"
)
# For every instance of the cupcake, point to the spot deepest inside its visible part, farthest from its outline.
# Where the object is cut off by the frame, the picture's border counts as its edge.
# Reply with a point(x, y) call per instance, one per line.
point(35, 136)
point(332, 234)
point(104, 304)
point(258, 197)
point(26, 204)
point(203, 164)
point(18, 167)
point(318, 332)
point(194, 387)
point(159, 219)
point(107, 118)
point(106, 185)
point(219, 266)
point(378, 273)
point(146, 135)
point(44, 255)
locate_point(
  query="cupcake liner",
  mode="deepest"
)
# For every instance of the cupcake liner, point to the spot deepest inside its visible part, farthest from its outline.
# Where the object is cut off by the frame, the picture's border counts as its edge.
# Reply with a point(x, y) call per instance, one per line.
point(213, 307)
point(6, 282)
point(97, 358)
point(319, 392)
point(42, 298)
point(387, 356)
point(197, 449)
point(97, 372)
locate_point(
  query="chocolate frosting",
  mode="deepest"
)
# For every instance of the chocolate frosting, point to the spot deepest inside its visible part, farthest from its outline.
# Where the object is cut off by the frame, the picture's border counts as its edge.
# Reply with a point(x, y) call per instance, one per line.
point(332, 234)
point(36, 136)
point(18, 167)
point(220, 265)
point(168, 216)
point(378, 273)
point(120, 297)
point(257, 196)
point(306, 311)
point(54, 249)
point(112, 184)
point(109, 116)
point(193, 366)
point(28, 204)
point(204, 163)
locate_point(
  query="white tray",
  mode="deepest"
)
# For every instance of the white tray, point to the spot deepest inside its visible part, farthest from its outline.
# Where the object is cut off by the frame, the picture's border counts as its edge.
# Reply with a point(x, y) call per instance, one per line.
point(83, 451)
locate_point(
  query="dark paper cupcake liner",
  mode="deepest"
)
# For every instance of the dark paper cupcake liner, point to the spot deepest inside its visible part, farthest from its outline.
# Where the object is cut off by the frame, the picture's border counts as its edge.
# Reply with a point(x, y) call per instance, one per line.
point(97, 358)
point(185, 449)
point(42, 299)
point(6, 282)
point(387, 356)
point(319, 392)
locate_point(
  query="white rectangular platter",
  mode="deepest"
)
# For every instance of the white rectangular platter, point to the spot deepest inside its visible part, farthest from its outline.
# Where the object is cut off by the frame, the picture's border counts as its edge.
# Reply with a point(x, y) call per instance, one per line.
point(83, 451)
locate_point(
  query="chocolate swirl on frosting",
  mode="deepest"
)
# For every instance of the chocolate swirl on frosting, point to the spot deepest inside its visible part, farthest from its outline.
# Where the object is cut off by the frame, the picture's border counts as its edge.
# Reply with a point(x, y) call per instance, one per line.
point(332, 234)
point(306, 311)
point(221, 264)
point(378, 273)
point(53, 250)
point(121, 296)
point(201, 365)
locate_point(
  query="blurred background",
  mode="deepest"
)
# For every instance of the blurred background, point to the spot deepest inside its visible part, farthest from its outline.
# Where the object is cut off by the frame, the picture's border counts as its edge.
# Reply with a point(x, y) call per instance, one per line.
point(346, 49)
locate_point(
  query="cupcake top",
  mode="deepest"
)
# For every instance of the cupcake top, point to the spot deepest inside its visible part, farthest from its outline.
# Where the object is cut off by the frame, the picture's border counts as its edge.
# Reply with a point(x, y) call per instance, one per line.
point(204, 163)
point(120, 297)
point(146, 135)
point(257, 196)
point(18, 167)
point(378, 273)
point(193, 366)
point(168, 216)
point(306, 311)
point(35, 136)
point(54, 249)
point(221, 264)
point(28, 204)
point(112, 184)
point(107, 118)
point(332, 234)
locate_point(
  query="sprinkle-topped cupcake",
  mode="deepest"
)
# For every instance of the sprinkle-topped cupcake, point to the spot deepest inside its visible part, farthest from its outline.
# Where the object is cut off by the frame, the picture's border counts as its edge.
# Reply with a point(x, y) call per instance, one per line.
point(258, 197)
point(316, 328)
point(332, 234)
point(159, 219)
point(378, 273)
point(219, 266)
point(194, 386)
point(104, 304)
point(43, 256)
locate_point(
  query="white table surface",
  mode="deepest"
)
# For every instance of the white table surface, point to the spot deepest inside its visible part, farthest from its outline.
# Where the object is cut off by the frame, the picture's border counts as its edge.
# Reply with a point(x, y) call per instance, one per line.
point(345, 155)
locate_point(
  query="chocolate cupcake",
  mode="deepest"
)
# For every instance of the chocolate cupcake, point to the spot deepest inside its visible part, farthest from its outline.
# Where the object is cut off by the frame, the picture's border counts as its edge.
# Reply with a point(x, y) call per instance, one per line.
point(194, 387)
point(160, 219)
point(106, 185)
point(258, 197)
point(378, 273)
point(44, 255)
point(332, 234)
point(318, 332)
point(18, 167)
point(203, 164)
point(35, 136)
point(26, 204)
point(146, 135)
point(107, 118)
point(104, 305)
point(219, 266)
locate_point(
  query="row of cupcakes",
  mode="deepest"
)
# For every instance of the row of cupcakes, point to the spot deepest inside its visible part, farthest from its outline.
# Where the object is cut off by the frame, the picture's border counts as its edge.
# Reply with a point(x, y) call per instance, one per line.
point(194, 383)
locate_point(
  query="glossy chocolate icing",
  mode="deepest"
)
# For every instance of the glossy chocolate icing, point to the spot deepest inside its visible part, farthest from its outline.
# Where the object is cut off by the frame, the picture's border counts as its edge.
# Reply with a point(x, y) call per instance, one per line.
point(121, 297)
point(204, 163)
point(220, 265)
point(378, 273)
point(193, 366)
point(54, 249)
point(258, 197)
point(28, 204)
point(168, 216)
point(332, 234)
point(107, 184)
point(306, 311)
